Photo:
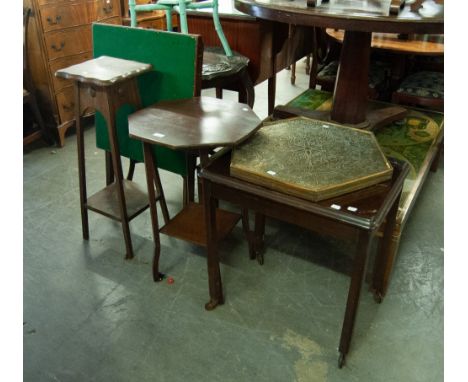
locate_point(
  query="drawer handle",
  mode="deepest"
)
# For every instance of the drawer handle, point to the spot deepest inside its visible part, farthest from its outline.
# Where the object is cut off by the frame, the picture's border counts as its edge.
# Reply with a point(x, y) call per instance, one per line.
point(108, 8)
point(58, 49)
point(57, 20)
point(69, 107)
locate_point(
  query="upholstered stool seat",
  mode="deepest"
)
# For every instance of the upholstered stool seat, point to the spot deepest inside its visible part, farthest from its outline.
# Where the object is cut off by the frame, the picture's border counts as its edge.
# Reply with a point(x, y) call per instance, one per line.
point(423, 89)
point(378, 75)
point(223, 72)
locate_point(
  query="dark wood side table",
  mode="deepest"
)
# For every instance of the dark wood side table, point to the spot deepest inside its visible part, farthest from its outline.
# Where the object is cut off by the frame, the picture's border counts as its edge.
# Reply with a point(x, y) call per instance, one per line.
point(355, 215)
point(105, 84)
point(198, 124)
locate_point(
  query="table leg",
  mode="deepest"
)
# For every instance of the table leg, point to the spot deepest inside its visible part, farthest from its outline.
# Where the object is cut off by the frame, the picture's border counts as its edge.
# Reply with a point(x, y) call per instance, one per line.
point(150, 169)
point(109, 169)
point(214, 274)
point(259, 236)
point(248, 234)
point(386, 255)
point(81, 163)
point(108, 107)
point(350, 95)
point(354, 293)
point(271, 93)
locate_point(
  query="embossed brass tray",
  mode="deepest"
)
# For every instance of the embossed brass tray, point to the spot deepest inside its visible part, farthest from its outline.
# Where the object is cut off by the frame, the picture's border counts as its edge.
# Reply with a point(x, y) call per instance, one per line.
point(311, 159)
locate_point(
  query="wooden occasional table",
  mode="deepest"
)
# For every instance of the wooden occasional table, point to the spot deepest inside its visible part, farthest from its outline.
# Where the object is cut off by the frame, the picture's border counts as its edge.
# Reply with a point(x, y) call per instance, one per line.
point(105, 84)
point(373, 206)
point(359, 19)
point(198, 124)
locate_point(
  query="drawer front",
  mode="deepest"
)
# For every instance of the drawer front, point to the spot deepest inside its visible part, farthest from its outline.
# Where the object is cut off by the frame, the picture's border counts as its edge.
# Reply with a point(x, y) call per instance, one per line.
point(106, 9)
point(68, 42)
point(61, 2)
point(112, 20)
point(61, 83)
point(66, 104)
point(61, 16)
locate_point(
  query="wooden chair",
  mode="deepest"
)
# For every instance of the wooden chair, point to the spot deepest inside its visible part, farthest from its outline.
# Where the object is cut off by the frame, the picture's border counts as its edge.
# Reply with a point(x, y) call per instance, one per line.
point(29, 90)
point(222, 68)
point(181, 7)
point(425, 89)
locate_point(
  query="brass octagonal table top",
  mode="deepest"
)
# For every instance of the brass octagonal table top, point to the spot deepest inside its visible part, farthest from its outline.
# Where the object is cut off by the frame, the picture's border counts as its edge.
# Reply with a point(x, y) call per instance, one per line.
point(312, 159)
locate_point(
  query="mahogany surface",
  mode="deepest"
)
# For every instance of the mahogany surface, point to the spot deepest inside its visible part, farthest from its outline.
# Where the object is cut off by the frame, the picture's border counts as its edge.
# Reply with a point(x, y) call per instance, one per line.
point(354, 15)
point(195, 123)
point(359, 19)
point(373, 210)
point(424, 45)
point(182, 225)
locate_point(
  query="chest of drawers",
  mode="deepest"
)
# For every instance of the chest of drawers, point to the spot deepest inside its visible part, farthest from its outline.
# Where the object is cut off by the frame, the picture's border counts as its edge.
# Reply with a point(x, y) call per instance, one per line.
point(60, 36)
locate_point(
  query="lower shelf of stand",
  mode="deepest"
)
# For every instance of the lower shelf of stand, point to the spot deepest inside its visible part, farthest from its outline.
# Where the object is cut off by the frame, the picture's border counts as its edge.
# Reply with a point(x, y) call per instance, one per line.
point(106, 201)
point(189, 224)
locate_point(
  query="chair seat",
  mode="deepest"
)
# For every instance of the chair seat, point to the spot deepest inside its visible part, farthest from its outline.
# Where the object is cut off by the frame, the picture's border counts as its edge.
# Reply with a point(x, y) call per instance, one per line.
point(378, 73)
point(217, 64)
point(424, 84)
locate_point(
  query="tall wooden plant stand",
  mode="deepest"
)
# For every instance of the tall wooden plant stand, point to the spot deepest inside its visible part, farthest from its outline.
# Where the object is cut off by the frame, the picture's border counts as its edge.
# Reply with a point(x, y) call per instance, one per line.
point(106, 84)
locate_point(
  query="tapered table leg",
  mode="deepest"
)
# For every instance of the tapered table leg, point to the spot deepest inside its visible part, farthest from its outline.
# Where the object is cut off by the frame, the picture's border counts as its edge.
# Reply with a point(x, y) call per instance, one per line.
point(150, 169)
point(214, 275)
point(386, 256)
point(354, 293)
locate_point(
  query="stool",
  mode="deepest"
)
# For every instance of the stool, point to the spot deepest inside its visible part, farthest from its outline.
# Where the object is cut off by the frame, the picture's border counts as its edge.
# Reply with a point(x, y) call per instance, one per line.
point(227, 72)
point(106, 84)
point(424, 89)
point(222, 68)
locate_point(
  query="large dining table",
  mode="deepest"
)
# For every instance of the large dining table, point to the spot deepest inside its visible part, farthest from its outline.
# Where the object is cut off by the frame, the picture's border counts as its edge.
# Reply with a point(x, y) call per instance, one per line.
point(359, 19)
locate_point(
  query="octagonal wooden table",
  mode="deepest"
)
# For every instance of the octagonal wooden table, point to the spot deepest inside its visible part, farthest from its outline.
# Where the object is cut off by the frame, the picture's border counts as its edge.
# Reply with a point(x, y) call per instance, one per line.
point(197, 124)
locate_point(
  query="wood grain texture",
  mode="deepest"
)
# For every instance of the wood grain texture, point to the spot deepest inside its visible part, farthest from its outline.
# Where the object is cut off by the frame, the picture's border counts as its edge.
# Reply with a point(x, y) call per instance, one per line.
point(61, 35)
point(430, 45)
point(200, 122)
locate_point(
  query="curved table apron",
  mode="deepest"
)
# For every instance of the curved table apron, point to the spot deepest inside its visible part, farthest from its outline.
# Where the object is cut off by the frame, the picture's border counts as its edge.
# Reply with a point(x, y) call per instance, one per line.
point(359, 19)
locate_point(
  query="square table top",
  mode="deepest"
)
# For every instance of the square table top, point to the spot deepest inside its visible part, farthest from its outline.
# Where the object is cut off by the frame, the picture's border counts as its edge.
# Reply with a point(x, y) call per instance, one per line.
point(104, 70)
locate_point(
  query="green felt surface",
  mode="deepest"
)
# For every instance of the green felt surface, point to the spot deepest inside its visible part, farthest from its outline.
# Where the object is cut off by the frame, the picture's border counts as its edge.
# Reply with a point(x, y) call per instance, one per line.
point(173, 56)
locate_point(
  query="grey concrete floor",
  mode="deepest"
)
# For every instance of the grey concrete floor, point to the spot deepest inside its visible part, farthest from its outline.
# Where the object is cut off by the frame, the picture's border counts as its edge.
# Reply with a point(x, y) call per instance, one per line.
point(90, 315)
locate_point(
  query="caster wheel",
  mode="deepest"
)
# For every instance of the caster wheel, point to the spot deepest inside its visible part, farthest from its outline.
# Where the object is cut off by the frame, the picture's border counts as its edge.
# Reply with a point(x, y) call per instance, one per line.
point(341, 360)
point(260, 258)
point(210, 305)
point(158, 277)
point(378, 298)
